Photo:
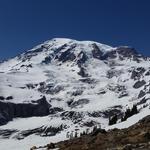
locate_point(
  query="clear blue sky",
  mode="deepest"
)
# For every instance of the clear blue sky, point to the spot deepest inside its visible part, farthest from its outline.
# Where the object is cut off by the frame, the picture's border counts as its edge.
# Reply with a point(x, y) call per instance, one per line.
point(26, 23)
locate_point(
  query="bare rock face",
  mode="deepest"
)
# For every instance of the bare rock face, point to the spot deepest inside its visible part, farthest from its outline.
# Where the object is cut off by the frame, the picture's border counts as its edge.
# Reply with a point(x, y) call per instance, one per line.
point(126, 51)
point(67, 56)
point(82, 58)
point(55, 110)
point(147, 73)
point(47, 60)
point(8, 111)
point(139, 84)
point(137, 73)
point(141, 94)
point(77, 92)
point(72, 115)
point(83, 72)
point(42, 131)
point(88, 80)
point(49, 88)
point(80, 102)
point(97, 53)
point(123, 52)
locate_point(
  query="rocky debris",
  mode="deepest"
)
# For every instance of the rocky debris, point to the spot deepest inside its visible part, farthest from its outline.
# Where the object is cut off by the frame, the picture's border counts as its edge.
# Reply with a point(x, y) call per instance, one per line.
point(123, 52)
point(80, 102)
point(56, 99)
point(50, 88)
point(117, 88)
point(95, 114)
point(110, 55)
point(88, 80)
point(7, 133)
point(31, 86)
point(8, 110)
point(54, 90)
point(83, 72)
point(147, 73)
point(101, 91)
point(113, 73)
point(123, 94)
point(81, 59)
point(27, 66)
point(113, 111)
point(90, 123)
point(140, 146)
point(72, 115)
point(29, 54)
point(141, 69)
point(49, 146)
point(55, 110)
point(33, 148)
point(42, 131)
point(113, 64)
point(70, 102)
point(143, 101)
point(141, 94)
point(132, 138)
point(139, 84)
point(97, 131)
point(77, 92)
point(145, 90)
point(137, 73)
point(107, 113)
point(128, 52)
point(47, 60)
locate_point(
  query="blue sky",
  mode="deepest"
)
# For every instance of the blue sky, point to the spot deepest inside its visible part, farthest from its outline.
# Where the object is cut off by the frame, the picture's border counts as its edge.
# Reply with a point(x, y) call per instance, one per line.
point(26, 23)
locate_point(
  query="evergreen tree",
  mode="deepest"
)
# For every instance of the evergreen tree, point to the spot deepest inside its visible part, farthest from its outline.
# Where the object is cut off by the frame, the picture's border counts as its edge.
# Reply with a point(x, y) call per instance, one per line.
point(113, 120)
point(83, 133)
point(130, 113)
point(134, 110)
point(76, 134)
point(95, 128)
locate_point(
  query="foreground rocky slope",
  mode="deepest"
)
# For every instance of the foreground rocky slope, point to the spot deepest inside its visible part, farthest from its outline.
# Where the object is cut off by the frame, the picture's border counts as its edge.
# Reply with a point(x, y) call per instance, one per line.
point(63, 86)
point(136, 137)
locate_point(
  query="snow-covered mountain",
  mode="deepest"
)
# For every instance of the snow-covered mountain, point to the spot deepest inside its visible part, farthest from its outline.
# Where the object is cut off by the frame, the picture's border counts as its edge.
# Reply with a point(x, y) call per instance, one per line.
point(65, 86)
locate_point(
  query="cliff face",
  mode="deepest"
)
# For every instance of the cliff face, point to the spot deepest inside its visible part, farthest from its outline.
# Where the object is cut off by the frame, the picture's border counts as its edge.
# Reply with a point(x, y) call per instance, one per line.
point(10, 110)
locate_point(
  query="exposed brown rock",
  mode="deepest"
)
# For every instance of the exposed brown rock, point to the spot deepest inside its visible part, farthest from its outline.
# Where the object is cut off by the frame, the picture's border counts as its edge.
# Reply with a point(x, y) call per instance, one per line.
point(136, 137)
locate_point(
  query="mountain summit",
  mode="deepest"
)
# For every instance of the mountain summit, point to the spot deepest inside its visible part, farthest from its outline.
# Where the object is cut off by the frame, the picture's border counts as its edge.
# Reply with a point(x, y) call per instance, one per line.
point(63, 86)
